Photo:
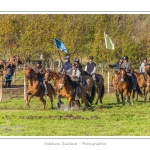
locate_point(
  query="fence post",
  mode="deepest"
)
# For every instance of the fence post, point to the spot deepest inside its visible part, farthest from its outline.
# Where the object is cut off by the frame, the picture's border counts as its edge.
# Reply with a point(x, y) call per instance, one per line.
point(25, 89)
point(108, 91)
point(1, 87)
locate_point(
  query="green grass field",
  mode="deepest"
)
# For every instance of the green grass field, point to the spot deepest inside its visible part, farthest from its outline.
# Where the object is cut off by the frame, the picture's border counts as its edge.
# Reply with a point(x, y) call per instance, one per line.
point(109, 119)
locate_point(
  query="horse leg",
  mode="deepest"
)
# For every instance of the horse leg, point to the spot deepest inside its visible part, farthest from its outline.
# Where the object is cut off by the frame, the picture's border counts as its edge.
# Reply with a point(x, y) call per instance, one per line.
point(51, 100)
point(145, 97)
point(28, 99)
point(129, 94)
point(123, 99)
point(133, 95)
point(137, 96)
point(59, 102)
point(117, 96)
point(43, 101)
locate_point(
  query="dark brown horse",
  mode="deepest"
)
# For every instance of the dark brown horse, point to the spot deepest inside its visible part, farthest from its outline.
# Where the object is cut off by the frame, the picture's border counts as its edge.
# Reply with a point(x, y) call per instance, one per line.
point(34, 88)
point(66, 88)
point(100, 86)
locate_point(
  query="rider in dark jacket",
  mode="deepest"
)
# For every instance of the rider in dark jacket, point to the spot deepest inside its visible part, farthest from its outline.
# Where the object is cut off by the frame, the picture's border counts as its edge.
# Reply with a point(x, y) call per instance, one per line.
point(117, 65)
point(66, 66)
point(40, 72)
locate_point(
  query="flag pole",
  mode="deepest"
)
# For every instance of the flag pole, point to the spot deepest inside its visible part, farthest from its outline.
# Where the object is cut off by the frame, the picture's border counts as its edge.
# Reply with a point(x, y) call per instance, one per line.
point(60, 58)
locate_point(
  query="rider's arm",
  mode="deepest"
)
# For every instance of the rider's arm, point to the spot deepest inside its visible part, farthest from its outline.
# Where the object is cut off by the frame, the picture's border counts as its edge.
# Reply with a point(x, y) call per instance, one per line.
point(43, 71)
point(113, 65)
point(85, 68)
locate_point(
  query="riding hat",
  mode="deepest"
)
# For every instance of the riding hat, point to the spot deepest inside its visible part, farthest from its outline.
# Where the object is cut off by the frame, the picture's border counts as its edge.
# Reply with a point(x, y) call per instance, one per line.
point(67, 57)
point(120, 58)
point(76, 60)
point(145, 58)
point(90, 57)
point(38, 62)
point(125, 58)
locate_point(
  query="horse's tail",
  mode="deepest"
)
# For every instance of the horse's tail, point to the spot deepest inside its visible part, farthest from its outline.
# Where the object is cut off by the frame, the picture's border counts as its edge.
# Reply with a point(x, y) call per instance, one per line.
point(102, 91)
point(139, 90)
point(93, 92)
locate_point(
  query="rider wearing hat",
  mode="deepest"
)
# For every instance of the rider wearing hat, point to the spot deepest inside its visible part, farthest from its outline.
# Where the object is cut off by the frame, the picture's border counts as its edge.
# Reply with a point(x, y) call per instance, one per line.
point(117, 65)
point(79, 66)
point(127, 66)
point(142, 67)
point(91, 68)
point(66, 66)
point(74, 74)
point(40, 72)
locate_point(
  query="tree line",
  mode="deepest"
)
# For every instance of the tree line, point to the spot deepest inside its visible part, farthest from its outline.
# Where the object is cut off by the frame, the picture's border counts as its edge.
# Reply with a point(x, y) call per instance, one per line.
point(31, 35)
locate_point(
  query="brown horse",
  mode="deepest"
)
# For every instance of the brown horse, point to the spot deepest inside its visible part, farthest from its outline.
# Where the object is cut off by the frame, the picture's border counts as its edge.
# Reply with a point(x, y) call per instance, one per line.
point(34, 88)
point(147, 89)
point(100, 88)
point(122, 84)
point(115, 79)
point(17, 60)
point(66, 88)
point(141, 81)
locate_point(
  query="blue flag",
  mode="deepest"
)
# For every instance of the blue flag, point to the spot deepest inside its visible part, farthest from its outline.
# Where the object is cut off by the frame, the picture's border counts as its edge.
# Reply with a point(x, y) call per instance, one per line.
point(60, 45)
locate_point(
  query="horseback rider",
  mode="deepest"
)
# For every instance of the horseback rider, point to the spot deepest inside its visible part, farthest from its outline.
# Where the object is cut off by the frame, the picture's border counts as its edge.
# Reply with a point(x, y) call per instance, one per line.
point(117, 65)
point(74, 74)
point(79, 66)
point(67, 65)
point(127, 66)
point(40, 72)
point(10, 69)
point(142, 67)
point(91, 68)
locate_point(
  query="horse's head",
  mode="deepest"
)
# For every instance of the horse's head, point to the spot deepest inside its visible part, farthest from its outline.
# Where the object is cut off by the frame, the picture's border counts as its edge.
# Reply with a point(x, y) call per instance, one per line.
point(147, 69)
point(115, 76)
point(28, 73)
point(122, 74)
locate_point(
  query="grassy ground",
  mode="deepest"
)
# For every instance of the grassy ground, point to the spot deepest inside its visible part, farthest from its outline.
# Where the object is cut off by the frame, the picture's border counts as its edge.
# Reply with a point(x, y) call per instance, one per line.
point(109, 119)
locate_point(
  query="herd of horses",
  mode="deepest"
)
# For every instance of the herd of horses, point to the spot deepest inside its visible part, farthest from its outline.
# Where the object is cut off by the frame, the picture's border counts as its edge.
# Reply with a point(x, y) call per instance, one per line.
point(123, 86)
point(65, 88)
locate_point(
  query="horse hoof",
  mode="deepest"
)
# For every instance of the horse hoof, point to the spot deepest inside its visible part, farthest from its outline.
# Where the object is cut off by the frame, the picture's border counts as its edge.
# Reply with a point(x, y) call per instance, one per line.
point(27, 104)
point(58, 105)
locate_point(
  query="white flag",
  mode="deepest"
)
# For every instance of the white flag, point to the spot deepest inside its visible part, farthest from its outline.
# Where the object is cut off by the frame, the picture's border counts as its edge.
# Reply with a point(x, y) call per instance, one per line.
point(109, 44)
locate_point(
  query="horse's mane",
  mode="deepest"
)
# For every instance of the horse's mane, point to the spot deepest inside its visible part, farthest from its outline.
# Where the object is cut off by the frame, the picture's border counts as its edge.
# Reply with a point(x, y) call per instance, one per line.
point(70, 81)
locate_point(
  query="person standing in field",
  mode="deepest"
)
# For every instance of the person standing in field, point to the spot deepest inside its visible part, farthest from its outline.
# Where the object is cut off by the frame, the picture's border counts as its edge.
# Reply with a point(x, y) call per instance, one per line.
point(10, 69)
